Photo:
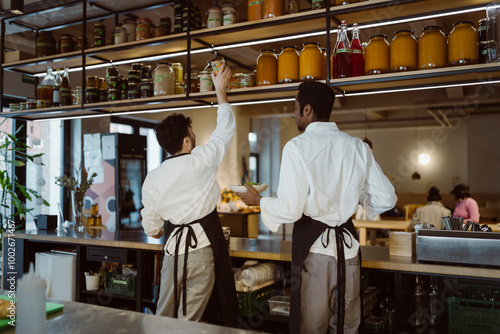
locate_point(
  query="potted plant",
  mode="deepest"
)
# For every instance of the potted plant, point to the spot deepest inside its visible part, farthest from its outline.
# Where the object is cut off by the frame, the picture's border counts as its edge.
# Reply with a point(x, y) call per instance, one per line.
point(14, 153)
point(78, 190)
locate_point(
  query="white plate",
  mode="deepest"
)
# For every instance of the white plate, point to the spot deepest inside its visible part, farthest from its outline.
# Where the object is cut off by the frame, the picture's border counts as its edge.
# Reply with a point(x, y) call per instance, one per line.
point(241, 189)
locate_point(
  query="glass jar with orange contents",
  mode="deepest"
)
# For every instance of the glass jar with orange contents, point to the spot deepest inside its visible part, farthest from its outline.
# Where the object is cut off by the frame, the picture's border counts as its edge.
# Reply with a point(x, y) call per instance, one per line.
point(463, 44)
point(403, 51)
point(377, 55)
point(255, 10)
point(267, 68)
point(432, 48)
point(310, 61)
point(288, 64)
point(272, 8)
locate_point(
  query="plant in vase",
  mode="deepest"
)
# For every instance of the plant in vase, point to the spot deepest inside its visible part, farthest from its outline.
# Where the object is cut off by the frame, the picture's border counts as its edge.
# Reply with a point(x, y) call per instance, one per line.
point(78, 190)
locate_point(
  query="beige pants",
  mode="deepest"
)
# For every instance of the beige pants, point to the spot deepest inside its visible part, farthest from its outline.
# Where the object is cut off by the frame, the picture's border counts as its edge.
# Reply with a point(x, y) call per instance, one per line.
point(200, 282)
point(319, 295)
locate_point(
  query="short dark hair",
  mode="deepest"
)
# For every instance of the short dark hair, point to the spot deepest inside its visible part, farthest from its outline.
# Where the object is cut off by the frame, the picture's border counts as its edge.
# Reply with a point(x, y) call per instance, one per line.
point(434, 195)
point(461, 191)
point(171, 132)
point(319, 96)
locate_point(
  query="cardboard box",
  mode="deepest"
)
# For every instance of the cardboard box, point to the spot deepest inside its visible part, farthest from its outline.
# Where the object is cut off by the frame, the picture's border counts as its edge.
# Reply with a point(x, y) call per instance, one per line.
point(402, 243)
point(13, 56)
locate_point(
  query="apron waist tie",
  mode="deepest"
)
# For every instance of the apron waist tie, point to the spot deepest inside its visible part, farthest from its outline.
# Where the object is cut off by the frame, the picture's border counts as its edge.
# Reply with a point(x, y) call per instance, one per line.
point(340, 240)
point(191, 242)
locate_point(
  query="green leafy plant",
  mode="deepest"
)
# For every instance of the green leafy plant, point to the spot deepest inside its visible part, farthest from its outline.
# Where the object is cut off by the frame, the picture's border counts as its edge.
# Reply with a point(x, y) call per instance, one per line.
point(14, 153)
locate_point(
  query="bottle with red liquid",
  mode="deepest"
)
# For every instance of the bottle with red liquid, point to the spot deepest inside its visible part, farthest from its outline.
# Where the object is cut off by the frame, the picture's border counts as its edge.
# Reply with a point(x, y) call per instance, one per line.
point(357, 67)
point(343, 54)
point(333, 69)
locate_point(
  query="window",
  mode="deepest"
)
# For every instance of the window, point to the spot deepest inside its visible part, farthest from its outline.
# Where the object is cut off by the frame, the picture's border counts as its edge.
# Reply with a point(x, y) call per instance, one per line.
point(154, 150)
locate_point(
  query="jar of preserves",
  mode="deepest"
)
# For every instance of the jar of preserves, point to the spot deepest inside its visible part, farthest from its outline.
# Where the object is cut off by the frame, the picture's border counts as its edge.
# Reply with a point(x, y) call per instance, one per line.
point(288, 64)
point(216, 63)
point(164, 80)
point(377, 55)
point(179, 75)
point(146, 72)
point(103, 95)
point(194, 83)
point(481, 29)
point(134, 76)
point(114, 82)
point(158, 31)
point(246, 80)
point(101, 83)
point(147, 88)
point(255, 10)
point(179, 88)
point(403, 51)
point(463, 44)
point(111, 71)
point(22, 106)
point(487, 51)
point(214, 17)
point(30, 103)
point(143, 29)
point(92, 82)
point(432, 48)
point(487, 29)
point(272, 8)
point(136, 66)
point(99, 35)
point(267, 68)
point(99, 41)
point(166, 25)
point(123, 84)
point(206, 84)
point(130, 25)
point(178, 25)
point(81, 44)
point(15, 107)
point(92, 95)
point(134, 91)
point(310, 61)
point(67, 43)
point(234, 81)
point(120, 35)
point(45, 44)
point(229, 13)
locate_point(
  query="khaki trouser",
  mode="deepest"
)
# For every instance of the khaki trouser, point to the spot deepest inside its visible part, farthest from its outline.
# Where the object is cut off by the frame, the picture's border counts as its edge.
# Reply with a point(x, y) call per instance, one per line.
point(200, 280)
point(319, 295)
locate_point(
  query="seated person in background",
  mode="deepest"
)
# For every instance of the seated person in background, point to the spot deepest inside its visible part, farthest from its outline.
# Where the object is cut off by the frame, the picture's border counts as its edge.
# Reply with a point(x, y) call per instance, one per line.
point(431, 212)
point(466, 206)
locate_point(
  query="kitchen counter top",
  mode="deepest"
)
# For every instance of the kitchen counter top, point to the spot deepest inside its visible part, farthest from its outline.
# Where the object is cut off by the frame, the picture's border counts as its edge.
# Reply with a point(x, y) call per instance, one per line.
point(260, 249)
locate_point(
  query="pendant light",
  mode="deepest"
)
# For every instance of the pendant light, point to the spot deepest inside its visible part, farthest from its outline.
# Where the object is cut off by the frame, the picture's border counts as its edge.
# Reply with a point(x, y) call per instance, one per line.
point(17, 6)
point(416, 175)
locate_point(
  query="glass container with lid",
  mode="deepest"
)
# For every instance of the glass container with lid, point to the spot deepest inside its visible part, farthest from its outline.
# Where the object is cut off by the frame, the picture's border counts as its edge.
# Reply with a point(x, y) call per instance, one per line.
point(130, 26)
point(120, 35)
point(487, 51)
point(255, 10)
point(166, 24)
point(147, 88)
point(179, 75)
point(67, 43)
point(206, 84)
point(432, 48)
point(463, 44)
point(214, 17)
point(403, 51)
point(310, 60)
point(229, 13)
point(143, 29)
point(164, 80)
point(272, 8)
point(377, 55)
point(288, 64)
point(267, 68)
point(45, 44)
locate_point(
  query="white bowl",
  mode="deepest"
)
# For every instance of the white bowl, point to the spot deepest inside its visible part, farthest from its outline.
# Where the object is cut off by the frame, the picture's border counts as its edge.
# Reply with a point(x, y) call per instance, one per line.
point(242, 189)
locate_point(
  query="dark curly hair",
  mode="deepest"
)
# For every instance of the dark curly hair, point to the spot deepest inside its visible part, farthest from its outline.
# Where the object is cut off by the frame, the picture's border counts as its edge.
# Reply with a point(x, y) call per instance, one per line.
point(434, 195)
point(171, 132)
point(319, 96)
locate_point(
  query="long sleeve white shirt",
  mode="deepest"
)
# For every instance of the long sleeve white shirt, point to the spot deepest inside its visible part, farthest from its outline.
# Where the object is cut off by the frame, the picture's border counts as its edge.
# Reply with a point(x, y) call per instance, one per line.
point(185, 188)
point(324, 174)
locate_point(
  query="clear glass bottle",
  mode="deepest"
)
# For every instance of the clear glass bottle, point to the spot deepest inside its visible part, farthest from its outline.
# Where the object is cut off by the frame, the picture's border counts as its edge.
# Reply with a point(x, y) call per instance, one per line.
point(66, 99)
point(357, 61)
point(343, 54)
point(44, 89)
point(56, 93)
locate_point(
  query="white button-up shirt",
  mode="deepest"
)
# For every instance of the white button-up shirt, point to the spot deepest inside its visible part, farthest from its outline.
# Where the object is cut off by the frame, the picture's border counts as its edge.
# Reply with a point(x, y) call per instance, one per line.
point(185, 188)
point(324, 174)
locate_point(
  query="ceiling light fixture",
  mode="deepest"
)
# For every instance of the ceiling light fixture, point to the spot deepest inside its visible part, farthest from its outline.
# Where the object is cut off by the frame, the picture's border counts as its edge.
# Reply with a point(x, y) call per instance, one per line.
point(17, 7)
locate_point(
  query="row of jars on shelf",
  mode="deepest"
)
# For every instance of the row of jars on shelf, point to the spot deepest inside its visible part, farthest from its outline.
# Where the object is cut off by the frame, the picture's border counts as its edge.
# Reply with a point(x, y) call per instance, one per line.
point(432, 50)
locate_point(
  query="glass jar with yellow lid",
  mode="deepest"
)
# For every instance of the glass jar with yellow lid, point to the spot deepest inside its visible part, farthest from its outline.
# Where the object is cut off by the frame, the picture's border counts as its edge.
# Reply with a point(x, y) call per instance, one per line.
point(377, 55)
point(267, 68)
point(288, 64)
point(310, 62)
point(432, 48)
point(463, 44)
point(403, 51)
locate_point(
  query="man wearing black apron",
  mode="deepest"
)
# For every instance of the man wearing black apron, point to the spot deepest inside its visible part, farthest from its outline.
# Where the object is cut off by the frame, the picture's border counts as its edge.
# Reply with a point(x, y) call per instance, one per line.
point(324, 174)
point(197, 280)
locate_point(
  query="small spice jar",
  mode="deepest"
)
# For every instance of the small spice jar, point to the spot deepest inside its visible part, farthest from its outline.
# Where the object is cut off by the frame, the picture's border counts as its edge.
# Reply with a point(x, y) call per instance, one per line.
point(403, 51)
point(288, 64)
point(143, 29)
point(377, 55)
point(164, 80)
point(214, 17)
point(267, 68)
point(206, 84)
point(463, 44)
point(310, 62)
point(432, 48)
point(147, 88)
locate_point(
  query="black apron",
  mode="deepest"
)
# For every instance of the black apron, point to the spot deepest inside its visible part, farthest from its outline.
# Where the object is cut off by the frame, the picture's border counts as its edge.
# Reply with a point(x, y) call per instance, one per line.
point(222, 307)
point(305, 232)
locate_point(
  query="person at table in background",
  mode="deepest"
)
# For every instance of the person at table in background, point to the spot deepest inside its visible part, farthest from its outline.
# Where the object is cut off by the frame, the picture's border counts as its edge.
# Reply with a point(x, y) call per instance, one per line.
point(466, 206)
point(324, 174)
point(197, 279)
point(432, 211)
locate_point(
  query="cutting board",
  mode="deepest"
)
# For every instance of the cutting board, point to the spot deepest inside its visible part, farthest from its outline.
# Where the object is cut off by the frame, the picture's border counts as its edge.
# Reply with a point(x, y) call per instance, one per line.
point(49, 308)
